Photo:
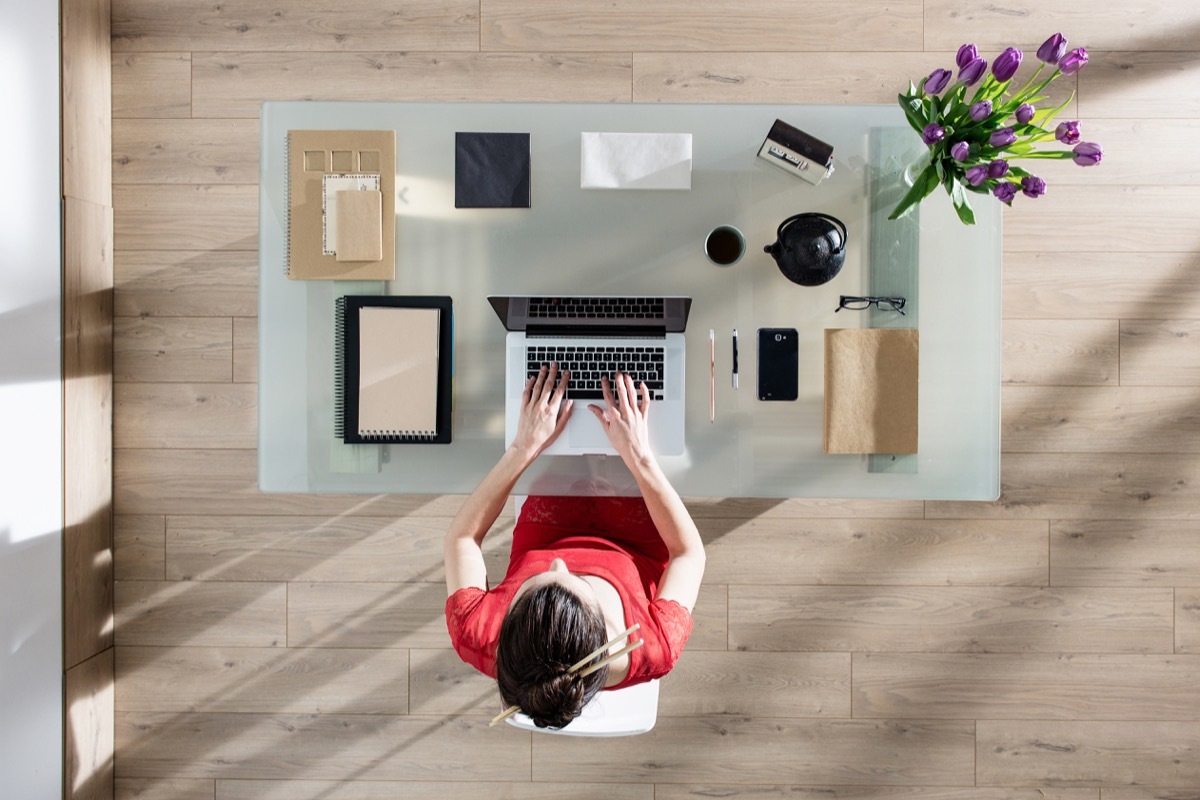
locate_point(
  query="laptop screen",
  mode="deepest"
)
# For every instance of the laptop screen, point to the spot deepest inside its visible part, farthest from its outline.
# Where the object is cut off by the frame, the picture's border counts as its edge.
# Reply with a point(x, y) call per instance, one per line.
point(592, 313)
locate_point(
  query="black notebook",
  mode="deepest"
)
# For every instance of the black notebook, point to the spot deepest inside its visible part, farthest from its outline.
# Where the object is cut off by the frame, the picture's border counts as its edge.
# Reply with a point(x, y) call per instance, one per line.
point(491, 170)
point(394, 369)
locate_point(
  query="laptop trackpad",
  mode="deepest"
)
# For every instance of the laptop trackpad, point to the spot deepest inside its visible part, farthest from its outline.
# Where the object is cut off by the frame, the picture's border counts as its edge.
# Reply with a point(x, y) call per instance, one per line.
point(587, 433)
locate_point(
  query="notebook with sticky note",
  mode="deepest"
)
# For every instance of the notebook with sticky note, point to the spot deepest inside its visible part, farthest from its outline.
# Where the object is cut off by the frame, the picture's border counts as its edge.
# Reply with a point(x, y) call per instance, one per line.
point(871, 381)
point(394, 369)
point(341, 205)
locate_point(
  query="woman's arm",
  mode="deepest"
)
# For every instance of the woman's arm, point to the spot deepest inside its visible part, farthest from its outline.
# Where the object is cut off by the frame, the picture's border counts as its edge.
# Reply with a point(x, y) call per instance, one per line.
point(626, 424)
point(544, 414)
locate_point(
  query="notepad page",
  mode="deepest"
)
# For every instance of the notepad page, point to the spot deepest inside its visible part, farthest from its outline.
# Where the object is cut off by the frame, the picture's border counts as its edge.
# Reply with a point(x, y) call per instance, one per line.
point(398, 371)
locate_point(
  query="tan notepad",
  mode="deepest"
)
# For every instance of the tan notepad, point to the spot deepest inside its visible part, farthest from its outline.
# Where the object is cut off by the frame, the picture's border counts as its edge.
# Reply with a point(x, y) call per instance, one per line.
point(871, 390)
point(358, 234)
point(359, 156)
point(398, 371)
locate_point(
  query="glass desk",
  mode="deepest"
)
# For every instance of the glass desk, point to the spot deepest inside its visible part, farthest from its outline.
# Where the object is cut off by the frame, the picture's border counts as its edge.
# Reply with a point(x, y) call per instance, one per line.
point(575, 241)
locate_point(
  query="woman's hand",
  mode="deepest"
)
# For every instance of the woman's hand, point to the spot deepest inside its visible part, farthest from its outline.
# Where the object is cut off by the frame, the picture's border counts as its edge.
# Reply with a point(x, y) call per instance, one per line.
point(544, 414)
point(624, 419)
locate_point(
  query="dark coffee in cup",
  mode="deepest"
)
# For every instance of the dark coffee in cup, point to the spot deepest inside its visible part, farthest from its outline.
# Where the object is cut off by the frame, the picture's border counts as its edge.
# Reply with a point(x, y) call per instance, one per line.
point(724, 245)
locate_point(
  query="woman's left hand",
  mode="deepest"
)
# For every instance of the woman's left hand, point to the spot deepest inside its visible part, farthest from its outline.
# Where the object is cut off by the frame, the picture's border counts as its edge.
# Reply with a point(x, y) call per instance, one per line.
point(544, 413)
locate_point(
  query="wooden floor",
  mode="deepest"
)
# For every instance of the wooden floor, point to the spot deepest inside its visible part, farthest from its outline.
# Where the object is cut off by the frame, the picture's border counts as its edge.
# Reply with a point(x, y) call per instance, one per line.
point(1043, 646)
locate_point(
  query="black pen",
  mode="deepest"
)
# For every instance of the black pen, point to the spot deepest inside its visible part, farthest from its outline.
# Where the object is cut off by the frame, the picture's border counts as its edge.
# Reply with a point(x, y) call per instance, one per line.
point(735, 363)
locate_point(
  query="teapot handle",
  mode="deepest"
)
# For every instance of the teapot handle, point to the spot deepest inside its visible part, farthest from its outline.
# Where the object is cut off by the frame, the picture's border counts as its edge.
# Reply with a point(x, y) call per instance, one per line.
point(818, 215)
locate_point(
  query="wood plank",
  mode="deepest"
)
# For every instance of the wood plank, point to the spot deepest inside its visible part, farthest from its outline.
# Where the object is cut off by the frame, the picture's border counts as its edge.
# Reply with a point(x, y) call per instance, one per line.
point(773, 750)
point(1087, 486)
point(442, 684)
point(951, 619)
point(1143, 85)
point(173, 613)
point(426, 790)
point(185, 217)
point(785, 76)
point(1086, 419)
point(148, 26)
point(185, 151)
point(1134, 219)
point(139, 547)
point(165, 789)
point(186, 481)
point(383, 615)
point(151, 85)
point(757, 685)
point(715, 25)
point(742, 791)
point(186, 283)
point(877, 552)
point(245, 350)
point(1120, 753)
point(234, 84)
point(88, 743)
point(1103, 287)
point(1124, 553)
point(335, 747)
point(738, 509)
point(710, 619)
point(1099, 26)
point(262, 680)
point(186, 415)
point(1146, 793)
point(1049, 352)
point(1187, 620)
point(1160, 352)
point(316, 549)
point(172, 349)
point(1026, 686)
point(86, 81)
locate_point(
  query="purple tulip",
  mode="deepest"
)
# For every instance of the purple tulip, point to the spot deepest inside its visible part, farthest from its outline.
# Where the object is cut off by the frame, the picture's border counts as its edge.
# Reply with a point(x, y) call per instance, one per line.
point(1024, 113)
point(973, 71)
point(1005, 191)
point(1073, 61)
point(1007, 64)
point(998, 168)
point(981, 110)
point(977, 175)
point(1033, 186)
point(966, 54)
point(1067, 132)
point(938, 80)
point(1087, 154)
point(933, 134)
point(960, 151)
point(1052, 49)
point(1002, 138)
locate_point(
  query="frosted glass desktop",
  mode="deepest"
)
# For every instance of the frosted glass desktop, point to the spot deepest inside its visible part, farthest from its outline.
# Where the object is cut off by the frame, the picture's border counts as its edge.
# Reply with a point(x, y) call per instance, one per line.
point(625, 242)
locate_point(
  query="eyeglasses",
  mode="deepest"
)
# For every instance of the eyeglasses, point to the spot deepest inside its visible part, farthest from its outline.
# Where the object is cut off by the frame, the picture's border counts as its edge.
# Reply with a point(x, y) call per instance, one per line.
point(862, 303)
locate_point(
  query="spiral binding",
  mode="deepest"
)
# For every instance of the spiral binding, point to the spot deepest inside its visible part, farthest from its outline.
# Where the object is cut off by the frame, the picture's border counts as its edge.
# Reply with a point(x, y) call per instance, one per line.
point(415, 436)
point(339, 368)
point(287, 204)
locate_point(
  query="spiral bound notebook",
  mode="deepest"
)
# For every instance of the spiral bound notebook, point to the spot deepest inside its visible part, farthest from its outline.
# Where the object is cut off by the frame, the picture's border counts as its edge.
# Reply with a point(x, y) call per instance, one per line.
point(394, 370)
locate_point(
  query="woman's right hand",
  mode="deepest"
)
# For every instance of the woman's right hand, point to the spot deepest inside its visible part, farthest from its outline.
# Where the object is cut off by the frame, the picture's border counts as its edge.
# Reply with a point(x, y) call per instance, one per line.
point(625, 419)
point(544, 412)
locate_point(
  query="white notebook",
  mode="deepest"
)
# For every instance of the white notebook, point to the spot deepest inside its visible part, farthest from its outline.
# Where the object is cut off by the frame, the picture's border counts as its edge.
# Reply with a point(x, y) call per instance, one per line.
point(398, 371)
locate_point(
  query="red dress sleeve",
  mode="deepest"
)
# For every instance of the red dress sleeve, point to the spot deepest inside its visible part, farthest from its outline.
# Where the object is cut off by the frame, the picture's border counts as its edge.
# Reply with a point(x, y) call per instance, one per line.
point(674, 625)
point(469, 629)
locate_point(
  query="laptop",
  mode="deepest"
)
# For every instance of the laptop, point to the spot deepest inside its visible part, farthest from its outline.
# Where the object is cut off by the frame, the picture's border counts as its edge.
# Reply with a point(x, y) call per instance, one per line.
point(594, 336)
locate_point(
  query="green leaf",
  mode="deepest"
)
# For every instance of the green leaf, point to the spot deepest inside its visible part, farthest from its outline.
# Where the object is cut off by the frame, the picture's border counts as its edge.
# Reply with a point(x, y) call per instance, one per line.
point(925, 183)
point(913, 110)
point(959, 198)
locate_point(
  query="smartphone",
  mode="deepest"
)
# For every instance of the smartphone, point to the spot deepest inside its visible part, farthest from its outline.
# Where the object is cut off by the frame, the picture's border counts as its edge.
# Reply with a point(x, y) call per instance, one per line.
point(778, 364)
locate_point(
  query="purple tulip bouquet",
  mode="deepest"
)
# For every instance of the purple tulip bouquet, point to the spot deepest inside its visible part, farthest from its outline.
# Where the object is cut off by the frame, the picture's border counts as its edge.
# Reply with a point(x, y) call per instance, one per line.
point(974, 140)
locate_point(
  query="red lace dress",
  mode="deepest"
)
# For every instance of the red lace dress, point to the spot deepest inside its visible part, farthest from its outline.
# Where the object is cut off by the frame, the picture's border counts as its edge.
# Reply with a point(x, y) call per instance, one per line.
point(609, 537)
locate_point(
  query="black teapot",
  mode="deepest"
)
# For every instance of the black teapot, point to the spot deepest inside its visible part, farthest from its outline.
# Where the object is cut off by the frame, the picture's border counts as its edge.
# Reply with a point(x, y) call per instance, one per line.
point(810, 248)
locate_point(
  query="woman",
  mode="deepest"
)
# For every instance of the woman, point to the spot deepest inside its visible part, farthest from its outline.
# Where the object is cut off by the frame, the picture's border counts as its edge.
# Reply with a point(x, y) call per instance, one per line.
point(582, 571)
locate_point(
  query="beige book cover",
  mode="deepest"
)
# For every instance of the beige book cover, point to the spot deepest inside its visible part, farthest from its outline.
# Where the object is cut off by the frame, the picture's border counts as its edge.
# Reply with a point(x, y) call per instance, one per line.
point(312, 155)
point(871, 377)
point(398, 371)
point(358, 234)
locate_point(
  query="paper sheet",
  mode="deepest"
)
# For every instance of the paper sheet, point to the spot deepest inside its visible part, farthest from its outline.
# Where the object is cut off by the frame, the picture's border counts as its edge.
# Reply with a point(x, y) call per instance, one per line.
point(331, 184)
point(636, 161)
point(871, 377)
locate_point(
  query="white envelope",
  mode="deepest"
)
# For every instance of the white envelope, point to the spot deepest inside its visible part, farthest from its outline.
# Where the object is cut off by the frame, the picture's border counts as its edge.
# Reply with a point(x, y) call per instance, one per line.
point(636, 161)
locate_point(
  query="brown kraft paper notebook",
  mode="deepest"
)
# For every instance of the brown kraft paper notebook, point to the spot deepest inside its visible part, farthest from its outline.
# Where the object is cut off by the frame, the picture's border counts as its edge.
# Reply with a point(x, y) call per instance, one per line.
point(871, 390)
point(367, 156)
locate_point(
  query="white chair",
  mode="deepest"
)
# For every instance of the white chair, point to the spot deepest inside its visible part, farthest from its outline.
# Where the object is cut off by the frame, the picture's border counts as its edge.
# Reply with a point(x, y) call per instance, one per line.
point(621, 712)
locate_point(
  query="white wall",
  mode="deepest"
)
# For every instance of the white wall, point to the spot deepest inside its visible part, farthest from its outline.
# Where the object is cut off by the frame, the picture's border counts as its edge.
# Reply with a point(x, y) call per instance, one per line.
point(31, 667)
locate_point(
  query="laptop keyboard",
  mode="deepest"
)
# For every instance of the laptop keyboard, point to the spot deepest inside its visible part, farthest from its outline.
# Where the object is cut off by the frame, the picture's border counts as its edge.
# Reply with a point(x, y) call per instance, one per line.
point(596, 307)
point(589, 364)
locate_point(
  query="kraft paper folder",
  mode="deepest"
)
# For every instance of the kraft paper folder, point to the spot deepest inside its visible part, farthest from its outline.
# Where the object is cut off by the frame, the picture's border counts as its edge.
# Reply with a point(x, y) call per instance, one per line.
point(328, 240)
point(871, 390)
point(394, 373)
